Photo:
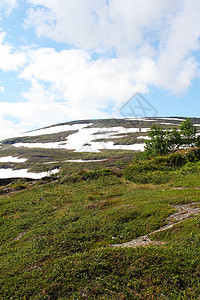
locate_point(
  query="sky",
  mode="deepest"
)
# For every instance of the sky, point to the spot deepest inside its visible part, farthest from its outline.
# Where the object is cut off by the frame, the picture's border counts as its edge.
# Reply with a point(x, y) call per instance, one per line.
point(63, 60)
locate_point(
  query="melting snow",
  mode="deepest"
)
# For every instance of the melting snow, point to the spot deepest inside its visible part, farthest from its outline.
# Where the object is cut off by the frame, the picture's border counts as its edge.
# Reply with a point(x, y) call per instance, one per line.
point(88, 160)
point(89, 147)
point(12, 159)
point(141, 119)
point(173, 124)
point(23, 173)
point(143, 137)
point(176, 119)
point(85, 140)
point(77, 160)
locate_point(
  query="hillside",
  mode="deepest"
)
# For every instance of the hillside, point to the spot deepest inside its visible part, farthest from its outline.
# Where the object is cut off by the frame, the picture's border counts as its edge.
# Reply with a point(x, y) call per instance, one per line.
point(116, 228)
point(70, 146)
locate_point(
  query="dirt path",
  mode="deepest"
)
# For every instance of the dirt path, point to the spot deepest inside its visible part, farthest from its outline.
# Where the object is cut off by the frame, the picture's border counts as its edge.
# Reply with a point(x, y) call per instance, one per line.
point(185, 211)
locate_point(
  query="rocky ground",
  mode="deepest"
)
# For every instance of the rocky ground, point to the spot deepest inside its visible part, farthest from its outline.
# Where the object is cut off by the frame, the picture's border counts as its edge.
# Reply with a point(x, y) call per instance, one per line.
point(184, 212)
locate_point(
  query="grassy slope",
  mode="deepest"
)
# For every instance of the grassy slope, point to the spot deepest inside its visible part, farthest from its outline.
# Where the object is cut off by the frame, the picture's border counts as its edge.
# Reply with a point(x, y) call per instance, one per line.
point(56, 240)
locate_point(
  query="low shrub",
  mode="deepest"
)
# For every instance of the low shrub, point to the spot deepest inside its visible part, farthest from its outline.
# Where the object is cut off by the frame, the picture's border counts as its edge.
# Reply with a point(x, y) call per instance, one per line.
point(192, 155)
point(156, 177)
point(90, 175)
point(189, 168)
point(160, 169)
point(19, 184)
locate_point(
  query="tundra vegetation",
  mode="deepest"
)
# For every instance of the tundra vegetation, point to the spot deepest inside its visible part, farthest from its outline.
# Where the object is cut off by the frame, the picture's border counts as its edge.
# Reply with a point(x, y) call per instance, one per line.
point(57, 238)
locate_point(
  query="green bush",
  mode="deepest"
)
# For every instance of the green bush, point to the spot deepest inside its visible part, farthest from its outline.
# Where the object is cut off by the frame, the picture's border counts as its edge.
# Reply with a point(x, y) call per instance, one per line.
point(162, 142)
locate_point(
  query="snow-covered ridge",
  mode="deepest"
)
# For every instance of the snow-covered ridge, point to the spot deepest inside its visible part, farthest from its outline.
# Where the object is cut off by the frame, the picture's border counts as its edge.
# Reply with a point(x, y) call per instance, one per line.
point(81, 136)
point(93, 136)
point(87, 140)
point(54, 129)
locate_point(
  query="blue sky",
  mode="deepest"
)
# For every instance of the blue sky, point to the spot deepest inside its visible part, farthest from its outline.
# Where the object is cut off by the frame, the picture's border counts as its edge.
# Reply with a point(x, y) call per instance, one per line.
point(63, 60)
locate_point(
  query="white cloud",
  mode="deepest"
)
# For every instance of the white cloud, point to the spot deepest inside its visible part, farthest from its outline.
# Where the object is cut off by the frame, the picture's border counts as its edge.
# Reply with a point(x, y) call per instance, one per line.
point(164, 34)
point(94, 24)
point(83, 85)
point(8, 5)
point(69, 85)
point(30, 115)
point(155, 43)
point(8, 129)
point(176, 65)
point(10, 58)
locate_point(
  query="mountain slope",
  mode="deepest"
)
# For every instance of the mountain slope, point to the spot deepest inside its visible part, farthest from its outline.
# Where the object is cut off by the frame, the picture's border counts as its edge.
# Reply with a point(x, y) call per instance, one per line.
point(83, 142)
point(78, 237)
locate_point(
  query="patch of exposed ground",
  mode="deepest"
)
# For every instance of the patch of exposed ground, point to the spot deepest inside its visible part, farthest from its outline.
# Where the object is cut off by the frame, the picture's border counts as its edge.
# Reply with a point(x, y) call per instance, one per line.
point(184, 212)
point(19, 236)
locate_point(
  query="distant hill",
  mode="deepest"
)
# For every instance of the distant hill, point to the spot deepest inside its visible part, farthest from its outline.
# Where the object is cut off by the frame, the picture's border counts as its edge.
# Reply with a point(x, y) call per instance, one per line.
point(34, 154)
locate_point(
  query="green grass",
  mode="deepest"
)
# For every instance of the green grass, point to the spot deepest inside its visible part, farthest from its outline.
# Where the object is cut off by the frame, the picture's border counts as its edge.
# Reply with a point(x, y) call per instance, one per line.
point(56, 238)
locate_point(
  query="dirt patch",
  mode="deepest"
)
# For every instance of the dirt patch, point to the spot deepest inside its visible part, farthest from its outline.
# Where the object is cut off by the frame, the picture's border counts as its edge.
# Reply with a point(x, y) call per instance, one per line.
point(19, 236)
point(141, 241)
point(185, 211)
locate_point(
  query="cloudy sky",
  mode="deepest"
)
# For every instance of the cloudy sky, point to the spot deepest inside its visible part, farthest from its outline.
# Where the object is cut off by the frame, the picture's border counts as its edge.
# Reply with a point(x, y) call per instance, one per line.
point(64, 60)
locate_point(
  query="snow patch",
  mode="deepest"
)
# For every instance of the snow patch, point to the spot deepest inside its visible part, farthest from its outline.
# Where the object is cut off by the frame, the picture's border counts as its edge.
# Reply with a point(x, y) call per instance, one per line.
point(143, 137)
point(23, 173)
point(176, 119)
point(12, 159)
point(88, 160)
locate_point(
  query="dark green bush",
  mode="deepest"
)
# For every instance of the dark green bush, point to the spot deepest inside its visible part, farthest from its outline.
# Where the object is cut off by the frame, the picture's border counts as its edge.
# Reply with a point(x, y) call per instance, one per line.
point(163, 141)
point(192, 155)
point(176, 160)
